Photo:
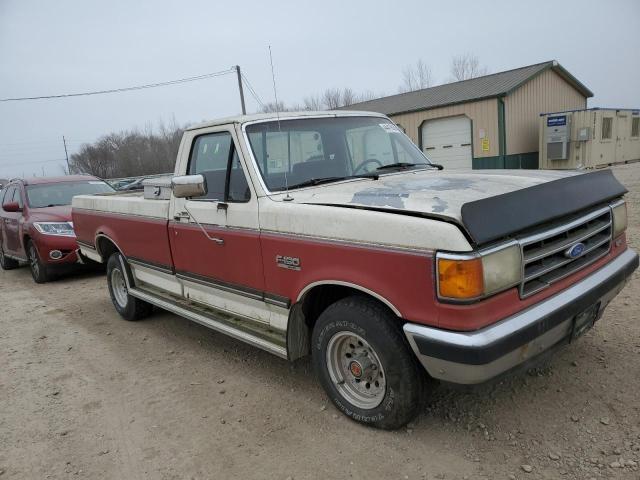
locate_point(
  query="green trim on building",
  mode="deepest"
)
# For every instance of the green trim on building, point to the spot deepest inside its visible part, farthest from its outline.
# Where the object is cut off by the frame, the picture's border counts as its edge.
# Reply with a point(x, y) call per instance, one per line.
point(486, 163)
point(527, 161)
point(502, 134)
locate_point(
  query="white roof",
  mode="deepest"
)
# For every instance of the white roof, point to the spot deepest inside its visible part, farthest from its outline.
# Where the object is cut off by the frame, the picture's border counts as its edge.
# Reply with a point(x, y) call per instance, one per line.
point(283, 116)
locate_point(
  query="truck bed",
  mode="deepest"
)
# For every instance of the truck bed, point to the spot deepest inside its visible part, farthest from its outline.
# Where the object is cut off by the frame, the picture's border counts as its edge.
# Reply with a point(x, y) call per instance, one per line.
point(138, 226)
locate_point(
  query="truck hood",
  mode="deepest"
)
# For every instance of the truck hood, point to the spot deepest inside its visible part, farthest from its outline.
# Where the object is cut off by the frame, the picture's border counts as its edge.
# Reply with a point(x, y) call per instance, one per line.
point(428, 192)
point(50, 214)
point(488, 205)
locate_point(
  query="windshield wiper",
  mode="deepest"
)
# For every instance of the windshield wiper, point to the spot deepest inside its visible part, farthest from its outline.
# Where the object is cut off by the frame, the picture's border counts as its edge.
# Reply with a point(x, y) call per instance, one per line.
point(318, 181)
point(401, 165)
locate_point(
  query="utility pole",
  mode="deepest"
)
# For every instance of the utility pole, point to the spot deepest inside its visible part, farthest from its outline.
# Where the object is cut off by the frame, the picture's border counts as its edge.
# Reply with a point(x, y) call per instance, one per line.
point(244, 110)
point(64, 142)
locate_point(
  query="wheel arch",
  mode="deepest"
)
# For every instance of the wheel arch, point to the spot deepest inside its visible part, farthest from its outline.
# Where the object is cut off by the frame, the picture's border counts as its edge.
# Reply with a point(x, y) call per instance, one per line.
point(312, 300)
point(106, 246)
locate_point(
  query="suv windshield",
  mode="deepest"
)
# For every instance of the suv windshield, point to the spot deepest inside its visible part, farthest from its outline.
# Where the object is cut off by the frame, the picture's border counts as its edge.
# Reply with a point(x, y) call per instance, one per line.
point(309, 149)
point(54, 194)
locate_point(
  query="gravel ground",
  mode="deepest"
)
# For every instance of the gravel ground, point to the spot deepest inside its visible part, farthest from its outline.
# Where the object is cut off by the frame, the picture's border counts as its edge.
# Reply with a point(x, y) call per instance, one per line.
point(84, 394)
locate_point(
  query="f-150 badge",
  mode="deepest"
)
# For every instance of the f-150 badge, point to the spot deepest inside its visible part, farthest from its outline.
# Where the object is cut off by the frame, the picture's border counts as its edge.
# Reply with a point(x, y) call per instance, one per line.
point(291, 263)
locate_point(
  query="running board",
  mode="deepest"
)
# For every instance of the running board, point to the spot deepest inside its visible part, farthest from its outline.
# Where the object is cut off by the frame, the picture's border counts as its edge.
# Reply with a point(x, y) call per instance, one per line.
point(213, 323)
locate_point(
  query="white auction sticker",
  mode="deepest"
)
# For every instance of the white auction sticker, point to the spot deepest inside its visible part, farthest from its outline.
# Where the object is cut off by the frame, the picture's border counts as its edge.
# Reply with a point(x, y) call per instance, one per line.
point(390, 128)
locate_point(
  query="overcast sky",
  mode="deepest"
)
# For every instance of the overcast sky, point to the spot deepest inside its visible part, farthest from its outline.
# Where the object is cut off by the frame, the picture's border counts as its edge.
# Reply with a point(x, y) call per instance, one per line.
point(67, 46)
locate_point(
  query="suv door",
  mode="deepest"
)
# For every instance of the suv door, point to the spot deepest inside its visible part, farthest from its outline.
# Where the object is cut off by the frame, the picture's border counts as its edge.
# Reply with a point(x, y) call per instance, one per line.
point(11, 222)
point(215, 240)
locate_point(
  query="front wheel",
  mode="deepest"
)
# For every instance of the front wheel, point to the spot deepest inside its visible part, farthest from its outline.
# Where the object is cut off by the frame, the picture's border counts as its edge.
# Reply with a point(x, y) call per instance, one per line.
point(129, 307)
point(39, 271)
point(364, 364)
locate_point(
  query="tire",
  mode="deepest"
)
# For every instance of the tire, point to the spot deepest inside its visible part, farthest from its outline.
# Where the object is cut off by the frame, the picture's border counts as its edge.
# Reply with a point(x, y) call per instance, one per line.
point(388, 392)
point(39, 271)
point(7, 263)
point(129, 308)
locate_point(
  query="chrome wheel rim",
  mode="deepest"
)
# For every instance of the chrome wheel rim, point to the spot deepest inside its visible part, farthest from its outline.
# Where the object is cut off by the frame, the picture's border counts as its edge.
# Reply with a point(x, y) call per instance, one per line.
point(356, 370)
point(33, 261)
point(119, 287)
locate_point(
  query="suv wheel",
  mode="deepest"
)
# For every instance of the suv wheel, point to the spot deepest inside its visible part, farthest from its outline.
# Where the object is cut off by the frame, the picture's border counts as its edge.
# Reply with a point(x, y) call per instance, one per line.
point(39, 270)
point(7, 263)
point(365, 365)
point(129, 307)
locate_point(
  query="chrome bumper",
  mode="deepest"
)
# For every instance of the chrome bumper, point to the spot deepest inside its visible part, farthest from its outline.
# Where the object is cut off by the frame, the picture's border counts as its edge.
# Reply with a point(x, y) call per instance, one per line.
point(477, 356)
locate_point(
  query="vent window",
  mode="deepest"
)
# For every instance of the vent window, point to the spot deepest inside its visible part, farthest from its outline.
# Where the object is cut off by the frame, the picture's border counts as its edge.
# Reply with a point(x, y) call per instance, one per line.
point(635, 127)
point(607, 124)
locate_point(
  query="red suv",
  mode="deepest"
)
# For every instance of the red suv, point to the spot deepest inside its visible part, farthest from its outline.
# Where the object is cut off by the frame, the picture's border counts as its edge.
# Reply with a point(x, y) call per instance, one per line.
point(35, 222)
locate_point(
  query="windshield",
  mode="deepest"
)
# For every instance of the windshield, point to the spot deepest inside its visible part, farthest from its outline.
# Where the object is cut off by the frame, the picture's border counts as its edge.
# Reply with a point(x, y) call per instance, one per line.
point(309, 149)
point(54, 194)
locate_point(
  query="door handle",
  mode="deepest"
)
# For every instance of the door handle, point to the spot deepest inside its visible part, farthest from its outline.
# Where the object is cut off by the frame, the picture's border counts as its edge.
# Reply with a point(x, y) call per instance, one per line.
point(181, 215)
point(219, 241)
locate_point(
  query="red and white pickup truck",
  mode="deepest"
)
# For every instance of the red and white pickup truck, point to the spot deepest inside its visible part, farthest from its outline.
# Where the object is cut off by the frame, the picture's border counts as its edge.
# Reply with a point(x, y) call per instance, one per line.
point(331, 234)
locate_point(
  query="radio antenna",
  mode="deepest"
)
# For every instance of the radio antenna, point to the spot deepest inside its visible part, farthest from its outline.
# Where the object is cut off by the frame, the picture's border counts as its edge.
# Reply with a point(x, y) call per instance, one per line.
point(287, 198)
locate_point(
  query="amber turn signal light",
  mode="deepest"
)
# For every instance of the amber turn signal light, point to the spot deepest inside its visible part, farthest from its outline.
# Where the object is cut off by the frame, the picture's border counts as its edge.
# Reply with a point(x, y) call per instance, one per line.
point(460, 279)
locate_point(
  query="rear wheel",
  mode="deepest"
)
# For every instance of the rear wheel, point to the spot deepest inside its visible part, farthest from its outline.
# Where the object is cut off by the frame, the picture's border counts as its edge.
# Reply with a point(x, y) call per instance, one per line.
point(364, 363)
point(7, 263)
point(39, 270)
point(129, 307)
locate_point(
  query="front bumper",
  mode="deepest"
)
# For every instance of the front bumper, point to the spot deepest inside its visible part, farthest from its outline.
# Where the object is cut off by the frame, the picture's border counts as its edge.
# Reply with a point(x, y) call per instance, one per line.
point(46, 244)
point(478, 356)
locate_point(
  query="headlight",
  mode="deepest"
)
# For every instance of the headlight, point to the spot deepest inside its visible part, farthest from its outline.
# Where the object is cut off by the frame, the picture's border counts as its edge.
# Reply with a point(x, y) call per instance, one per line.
point(465, 277)
point(619, 211)
point(64, 229)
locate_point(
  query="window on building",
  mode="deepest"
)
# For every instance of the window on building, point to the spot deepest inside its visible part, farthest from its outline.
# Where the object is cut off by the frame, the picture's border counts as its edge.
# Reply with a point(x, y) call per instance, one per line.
point(635, 127)
point(607, 124)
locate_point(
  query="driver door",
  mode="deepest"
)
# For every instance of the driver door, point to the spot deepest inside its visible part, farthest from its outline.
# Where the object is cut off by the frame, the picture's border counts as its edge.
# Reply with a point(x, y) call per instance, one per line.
point(215, 239)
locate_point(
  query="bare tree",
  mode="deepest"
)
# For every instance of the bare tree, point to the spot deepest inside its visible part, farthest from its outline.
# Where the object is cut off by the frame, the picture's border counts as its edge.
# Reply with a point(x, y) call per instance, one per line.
point(130, 153)
point(349, 97)
point(416, 77)
point(312, 103)
point(332, 98)
point(272, 107)
point(466, 66)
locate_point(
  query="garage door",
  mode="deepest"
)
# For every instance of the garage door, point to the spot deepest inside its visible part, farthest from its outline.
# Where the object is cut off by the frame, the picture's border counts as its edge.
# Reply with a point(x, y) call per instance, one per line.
point(448, 141)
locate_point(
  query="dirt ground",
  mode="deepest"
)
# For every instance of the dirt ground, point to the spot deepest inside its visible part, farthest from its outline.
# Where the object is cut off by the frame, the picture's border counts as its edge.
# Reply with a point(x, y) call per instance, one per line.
point(84, 394)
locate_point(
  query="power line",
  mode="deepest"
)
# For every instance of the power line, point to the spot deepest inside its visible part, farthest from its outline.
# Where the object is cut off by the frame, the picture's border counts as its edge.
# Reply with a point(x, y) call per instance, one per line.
point(124, 89)
point(252, 90)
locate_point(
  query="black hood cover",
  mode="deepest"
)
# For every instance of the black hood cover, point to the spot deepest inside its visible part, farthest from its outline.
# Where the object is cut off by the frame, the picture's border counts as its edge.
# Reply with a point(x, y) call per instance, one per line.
point(496, 217)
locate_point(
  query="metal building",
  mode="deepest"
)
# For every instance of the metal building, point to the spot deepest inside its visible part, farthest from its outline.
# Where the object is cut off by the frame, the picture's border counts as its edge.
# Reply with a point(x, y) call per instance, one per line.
point(589, 138)
point(485, 122)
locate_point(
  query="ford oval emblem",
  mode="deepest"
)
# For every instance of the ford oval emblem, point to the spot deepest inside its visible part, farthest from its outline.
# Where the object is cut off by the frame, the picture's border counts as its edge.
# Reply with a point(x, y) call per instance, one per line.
point(575, 250)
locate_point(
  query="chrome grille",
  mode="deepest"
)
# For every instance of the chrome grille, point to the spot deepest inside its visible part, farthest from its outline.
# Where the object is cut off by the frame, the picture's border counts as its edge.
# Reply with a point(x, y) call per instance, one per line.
point(544, 258)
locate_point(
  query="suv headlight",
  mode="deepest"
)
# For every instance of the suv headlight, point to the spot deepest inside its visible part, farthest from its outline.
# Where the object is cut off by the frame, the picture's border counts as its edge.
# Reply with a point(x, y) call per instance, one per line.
point(64, 229)
point(467, 277)
point(619, 212)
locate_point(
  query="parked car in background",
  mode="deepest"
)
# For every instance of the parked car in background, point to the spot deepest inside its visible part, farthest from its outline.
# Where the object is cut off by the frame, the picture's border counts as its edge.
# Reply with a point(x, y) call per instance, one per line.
point(35, 223)
point(331, 234)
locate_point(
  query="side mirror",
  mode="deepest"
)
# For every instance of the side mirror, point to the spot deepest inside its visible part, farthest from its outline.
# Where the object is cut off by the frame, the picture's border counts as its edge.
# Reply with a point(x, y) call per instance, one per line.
point(189, 186)
point(438, 166)
point(12, 207)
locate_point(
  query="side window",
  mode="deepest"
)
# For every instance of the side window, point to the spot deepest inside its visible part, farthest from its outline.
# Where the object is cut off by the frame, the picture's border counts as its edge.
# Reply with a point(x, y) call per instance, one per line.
point(238, 187)
point(17, 197)
point(211, 156)
point(8, 195)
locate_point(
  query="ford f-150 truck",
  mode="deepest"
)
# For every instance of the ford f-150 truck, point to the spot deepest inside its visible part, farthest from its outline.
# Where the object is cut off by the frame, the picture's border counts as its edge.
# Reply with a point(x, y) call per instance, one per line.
point(331, 234)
